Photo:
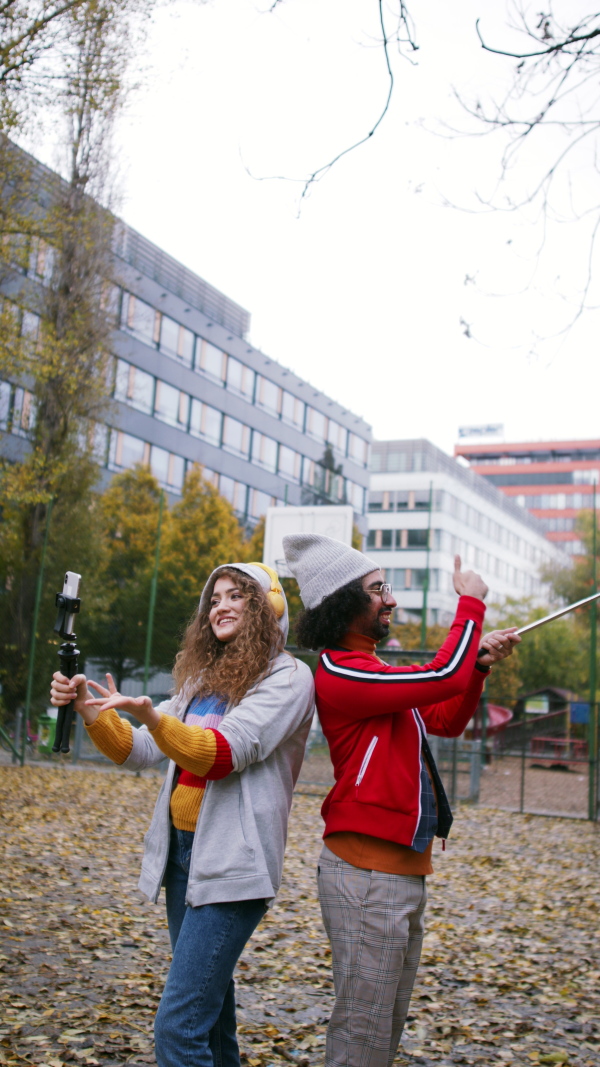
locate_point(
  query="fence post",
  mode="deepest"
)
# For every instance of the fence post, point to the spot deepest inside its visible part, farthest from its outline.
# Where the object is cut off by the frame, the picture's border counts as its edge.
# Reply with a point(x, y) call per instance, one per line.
point(36, 612)
point(475, 771)
point(454, 763)
point(152, 603)
point(78, 739)
point(17, 746)
point(592, 729)
point(597, 765)
point(523, 754)
point(484, 721)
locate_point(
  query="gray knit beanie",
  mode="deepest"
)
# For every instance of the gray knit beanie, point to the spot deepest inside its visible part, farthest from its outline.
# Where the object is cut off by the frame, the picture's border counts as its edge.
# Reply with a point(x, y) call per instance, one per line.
point(321, 565)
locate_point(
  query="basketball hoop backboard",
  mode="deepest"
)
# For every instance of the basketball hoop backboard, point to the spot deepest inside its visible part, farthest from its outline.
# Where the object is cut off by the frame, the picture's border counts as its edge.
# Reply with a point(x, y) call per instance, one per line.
point(335, 521)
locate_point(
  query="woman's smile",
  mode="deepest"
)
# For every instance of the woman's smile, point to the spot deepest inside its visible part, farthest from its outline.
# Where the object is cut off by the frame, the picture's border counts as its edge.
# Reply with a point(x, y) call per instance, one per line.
point(227, 605)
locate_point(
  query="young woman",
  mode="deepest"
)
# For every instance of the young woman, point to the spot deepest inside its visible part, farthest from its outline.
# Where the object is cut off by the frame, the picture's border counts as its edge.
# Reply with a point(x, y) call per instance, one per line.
point(235, 734)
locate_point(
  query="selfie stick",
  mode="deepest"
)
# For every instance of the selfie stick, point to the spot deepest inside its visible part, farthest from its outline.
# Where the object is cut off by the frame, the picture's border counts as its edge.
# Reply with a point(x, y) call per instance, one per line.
point(557, 614)
point(548, 618)
point(68, 654)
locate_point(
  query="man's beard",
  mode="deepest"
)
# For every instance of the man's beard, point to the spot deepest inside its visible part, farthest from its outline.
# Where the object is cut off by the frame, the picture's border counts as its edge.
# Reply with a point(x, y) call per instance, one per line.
point(379, 629)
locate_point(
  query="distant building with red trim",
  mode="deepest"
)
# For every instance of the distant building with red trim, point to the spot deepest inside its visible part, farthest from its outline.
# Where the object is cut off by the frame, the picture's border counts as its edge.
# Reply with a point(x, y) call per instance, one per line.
point(554, 480)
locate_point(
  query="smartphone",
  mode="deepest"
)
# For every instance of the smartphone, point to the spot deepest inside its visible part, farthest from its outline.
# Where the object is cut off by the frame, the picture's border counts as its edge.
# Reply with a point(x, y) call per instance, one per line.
point(70, 588)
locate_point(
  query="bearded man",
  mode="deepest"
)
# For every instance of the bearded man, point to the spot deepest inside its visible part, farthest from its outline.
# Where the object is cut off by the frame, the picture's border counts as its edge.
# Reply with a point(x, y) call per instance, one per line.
point(388, 803)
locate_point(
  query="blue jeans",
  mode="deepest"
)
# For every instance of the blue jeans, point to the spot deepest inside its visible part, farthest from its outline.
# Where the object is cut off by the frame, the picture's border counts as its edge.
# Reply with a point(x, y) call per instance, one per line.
point(195, 1024)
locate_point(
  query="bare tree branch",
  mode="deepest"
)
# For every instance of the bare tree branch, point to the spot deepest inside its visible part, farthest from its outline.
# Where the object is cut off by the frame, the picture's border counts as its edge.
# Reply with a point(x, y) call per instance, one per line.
point(559, 46)
point(554, 92)
point(403, 36)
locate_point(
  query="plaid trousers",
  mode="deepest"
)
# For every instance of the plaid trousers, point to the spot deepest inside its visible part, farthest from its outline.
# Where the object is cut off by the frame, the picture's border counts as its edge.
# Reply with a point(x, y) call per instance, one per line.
point(374, 922)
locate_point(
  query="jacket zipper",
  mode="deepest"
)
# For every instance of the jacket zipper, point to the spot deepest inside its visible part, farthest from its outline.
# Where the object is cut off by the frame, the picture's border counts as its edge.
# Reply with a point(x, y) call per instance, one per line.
point(365, 762)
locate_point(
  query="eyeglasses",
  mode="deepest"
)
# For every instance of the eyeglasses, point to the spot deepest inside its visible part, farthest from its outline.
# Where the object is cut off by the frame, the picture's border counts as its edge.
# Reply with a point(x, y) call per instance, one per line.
point(384, 591)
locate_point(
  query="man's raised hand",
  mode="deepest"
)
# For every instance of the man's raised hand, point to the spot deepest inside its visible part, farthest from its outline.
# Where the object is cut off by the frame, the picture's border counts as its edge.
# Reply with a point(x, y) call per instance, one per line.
point(467, 583)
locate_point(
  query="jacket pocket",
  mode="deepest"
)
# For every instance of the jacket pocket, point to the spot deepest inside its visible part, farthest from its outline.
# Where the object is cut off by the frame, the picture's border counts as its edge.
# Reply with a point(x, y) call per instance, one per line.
point(366, 759)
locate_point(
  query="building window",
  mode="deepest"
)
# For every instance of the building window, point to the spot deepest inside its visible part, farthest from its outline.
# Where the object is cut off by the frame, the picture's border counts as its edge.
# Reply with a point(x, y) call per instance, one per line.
point(268, 396)
point(210, 361)
point(5, 391)
point(240, 379)
point(258, 503)
point(171, 405)
point(167, 468)
point(99, 442)
point(41, 259)
point(264, 451)
point(234, 492)
point(176, 341)
point(140, 319)
point(358, 450)
point(316, 425)
point(380, 539)
point(292, 411)
point(337, 437)
point(205, 422)
point(395, 461)
point(421, 498)
point(125, 451)
point(236, 437)
point(414, 578)
point(414, 538)
point(356, 496)
point(398, 578)
point(323, 481)
point(23, 413)
point(574, 548)
point(589, 477)
point(290, 464)
point(134, 387)
point(30, 326)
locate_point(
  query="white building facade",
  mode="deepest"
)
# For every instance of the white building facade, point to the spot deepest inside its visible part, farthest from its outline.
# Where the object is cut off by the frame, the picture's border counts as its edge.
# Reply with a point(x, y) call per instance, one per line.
point(468, 517)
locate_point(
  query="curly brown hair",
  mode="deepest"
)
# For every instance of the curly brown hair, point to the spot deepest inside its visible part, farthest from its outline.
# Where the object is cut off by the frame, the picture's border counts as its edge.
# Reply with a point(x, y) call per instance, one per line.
point(206, 665)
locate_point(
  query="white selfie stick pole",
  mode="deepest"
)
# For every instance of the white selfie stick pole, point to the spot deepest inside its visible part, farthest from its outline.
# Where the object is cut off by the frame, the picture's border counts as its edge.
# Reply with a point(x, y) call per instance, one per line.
point(557, 614)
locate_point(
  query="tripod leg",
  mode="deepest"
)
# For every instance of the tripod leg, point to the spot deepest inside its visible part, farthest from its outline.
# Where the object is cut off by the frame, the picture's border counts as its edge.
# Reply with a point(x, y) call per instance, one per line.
point(60, 722)
point(66, 734)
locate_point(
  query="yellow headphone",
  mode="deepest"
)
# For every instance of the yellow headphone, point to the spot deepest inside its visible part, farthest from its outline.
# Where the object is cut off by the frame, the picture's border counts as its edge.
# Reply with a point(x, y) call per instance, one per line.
point(275, 594)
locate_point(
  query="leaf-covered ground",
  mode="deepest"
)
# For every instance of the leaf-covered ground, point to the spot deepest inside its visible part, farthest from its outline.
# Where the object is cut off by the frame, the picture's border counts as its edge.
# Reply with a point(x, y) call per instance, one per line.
point(510, 970)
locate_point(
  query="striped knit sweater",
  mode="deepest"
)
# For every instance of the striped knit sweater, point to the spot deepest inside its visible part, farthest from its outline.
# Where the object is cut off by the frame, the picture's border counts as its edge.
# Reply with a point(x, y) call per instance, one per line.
point(196, 745)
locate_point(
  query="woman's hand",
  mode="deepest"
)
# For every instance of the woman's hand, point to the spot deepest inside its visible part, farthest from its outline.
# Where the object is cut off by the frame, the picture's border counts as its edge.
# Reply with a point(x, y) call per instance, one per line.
point(140, 707)
point(498, 645)
point(63, 690)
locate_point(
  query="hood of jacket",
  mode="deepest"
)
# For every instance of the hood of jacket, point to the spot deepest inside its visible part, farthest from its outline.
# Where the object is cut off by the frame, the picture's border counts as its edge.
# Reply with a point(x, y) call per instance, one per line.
point(260, 577)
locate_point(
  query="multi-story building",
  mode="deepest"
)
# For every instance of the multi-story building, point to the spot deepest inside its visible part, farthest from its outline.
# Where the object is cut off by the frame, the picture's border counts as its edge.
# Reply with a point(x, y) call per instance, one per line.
point(553, 479)
point(468, 517)
point(189, 388)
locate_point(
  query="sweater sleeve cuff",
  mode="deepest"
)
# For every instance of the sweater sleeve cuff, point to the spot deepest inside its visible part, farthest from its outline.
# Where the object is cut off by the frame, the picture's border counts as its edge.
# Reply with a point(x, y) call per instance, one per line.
point(223, 764)
point(192, 747)
point(112, 735)
point(482, 668)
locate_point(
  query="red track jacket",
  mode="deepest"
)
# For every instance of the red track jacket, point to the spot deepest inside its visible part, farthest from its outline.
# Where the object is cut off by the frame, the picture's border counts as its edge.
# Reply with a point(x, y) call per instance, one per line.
point(372, 715)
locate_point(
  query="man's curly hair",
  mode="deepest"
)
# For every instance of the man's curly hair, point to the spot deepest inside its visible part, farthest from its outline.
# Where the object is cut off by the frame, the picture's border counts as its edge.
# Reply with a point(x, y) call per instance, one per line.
point(326, 624)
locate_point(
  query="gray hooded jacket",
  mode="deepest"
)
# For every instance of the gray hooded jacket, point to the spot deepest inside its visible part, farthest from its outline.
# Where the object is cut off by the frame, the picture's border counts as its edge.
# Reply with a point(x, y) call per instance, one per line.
point(242, 826)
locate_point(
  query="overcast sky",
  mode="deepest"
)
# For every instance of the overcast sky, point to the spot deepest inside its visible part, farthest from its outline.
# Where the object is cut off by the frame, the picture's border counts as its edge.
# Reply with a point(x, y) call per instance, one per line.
point(362, 294)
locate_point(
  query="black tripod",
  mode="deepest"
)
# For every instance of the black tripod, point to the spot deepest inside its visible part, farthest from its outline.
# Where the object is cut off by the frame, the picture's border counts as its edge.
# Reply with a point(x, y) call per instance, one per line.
point(68, 654)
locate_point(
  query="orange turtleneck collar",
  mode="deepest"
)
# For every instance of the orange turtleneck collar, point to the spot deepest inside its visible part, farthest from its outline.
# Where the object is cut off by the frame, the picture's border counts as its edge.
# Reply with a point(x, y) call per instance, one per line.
point(359, 643)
